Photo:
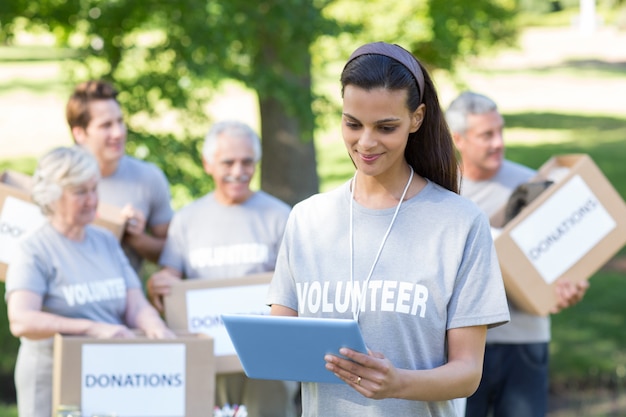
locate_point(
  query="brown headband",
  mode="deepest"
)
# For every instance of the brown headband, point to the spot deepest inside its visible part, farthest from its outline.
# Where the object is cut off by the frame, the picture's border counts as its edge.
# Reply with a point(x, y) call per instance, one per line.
point(395, 52)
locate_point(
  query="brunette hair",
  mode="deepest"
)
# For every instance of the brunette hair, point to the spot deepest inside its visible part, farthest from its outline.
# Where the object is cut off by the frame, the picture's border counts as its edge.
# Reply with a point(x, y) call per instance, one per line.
point(77, 109)
point(430, 150)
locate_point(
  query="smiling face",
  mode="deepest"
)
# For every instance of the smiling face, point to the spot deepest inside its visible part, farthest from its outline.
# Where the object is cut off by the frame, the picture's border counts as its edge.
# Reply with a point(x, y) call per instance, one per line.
point(232, 166)
point(105, 135)
point(375, 127)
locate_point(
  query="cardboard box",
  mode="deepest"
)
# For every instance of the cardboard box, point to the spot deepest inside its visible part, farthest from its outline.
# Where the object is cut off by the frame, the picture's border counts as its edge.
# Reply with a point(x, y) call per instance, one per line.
point(196, 305)
point(138, 377)
point(569, 231)
point(19, 215)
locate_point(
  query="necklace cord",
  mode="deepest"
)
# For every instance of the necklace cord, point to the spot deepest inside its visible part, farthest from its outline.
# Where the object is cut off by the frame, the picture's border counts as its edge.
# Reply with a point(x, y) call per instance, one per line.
point(356, 311)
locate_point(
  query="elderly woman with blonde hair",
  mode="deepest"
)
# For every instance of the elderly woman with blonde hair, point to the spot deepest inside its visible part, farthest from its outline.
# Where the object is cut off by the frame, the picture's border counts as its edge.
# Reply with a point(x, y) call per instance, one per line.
point(69, 277)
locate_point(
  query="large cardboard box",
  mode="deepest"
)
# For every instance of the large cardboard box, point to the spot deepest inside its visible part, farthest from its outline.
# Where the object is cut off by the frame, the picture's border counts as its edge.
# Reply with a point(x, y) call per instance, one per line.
point(569, 231)
point(19, 215)
point(196, 306)
point(137, 377)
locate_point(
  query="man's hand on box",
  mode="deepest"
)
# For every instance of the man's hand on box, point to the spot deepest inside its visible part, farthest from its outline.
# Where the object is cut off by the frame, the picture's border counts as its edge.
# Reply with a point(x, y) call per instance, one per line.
point(569, 293)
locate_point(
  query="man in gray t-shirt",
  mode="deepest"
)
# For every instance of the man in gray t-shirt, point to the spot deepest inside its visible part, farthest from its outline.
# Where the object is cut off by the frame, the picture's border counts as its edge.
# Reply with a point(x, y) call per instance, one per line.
point(515, 370)
point(231, 232)
point(138, 188)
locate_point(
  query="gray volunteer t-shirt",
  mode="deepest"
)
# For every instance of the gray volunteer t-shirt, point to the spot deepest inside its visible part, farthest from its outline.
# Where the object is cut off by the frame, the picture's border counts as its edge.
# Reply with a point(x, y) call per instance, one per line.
point(86, 279)
point(143, 185)
point(207, 239)
point(437, 271)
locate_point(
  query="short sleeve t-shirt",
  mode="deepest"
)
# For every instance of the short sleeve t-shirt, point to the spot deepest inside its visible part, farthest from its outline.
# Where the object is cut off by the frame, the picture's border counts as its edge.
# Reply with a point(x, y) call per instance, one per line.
point(87, 279)
point(208, 240)
point(437, 271)
point(144, 186)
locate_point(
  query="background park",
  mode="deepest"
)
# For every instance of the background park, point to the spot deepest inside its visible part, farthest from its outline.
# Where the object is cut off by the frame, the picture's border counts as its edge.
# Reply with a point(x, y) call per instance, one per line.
point(560, 81)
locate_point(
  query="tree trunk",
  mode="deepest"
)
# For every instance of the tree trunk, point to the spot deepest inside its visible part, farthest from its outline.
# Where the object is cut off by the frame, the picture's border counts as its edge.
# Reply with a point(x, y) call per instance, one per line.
point(288, 166)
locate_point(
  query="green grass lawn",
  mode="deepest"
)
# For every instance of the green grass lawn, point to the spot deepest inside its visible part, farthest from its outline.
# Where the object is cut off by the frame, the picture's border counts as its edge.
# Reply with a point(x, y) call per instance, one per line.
point(8, 410)
point(589, 344)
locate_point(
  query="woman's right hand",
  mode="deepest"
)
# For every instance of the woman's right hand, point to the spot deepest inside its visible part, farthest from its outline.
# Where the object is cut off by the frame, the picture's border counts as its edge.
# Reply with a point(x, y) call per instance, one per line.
point(109, 331)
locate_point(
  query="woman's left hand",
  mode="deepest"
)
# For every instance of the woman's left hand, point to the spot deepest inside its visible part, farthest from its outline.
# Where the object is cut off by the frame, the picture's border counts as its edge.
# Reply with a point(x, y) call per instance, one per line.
point(373, 375)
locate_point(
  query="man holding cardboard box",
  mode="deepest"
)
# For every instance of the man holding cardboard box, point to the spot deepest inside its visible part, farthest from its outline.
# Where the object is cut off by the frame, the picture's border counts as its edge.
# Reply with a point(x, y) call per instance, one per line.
point(231, 232)
point(515, 373)
point(139, 188)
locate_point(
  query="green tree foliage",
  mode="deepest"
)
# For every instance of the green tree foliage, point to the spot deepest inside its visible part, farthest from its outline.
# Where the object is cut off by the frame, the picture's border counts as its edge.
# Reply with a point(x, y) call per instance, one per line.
point(167, 57)
point(439, 33)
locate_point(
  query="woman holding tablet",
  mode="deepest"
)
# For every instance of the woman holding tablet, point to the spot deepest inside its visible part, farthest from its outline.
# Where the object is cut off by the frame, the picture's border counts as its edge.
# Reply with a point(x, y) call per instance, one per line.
point(396, 249)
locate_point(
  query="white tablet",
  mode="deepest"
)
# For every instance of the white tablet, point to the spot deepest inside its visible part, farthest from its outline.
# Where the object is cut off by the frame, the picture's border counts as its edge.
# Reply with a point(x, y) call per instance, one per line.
point(290, 348)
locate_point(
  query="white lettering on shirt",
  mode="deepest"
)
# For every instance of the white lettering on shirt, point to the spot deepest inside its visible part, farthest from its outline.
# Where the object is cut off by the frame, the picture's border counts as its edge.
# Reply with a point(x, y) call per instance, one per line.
point(241, 254)
point(379, 295)
point(91, 292)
